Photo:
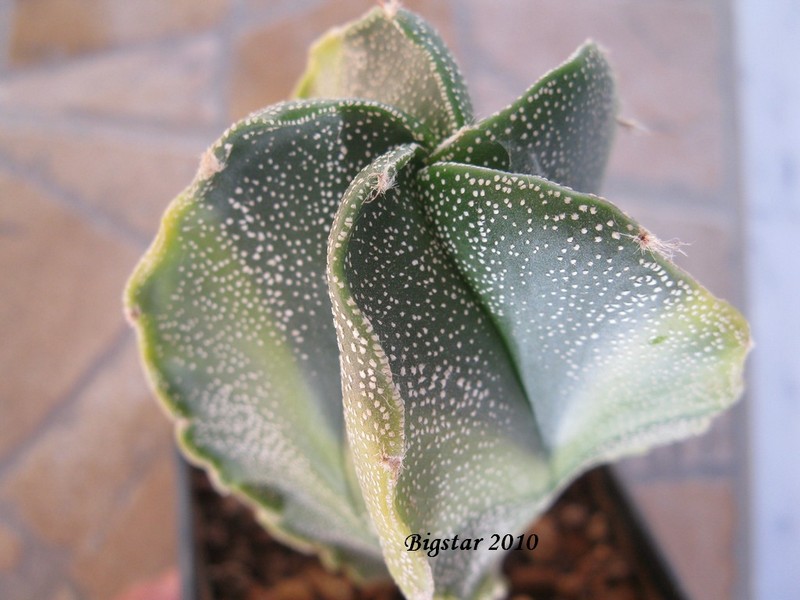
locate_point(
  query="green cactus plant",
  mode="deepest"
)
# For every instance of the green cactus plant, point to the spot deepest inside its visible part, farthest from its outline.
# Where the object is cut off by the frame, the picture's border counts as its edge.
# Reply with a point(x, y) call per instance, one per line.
point(372, 316)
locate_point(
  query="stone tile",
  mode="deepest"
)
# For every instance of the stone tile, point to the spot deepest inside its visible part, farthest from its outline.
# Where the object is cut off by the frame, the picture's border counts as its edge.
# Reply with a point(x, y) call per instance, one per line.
point(43, 30)
point(127, 177)
point(6, 7)
point(86, 471)
point(667, 59)
point(695, 522)
point(269, 60)
point(174, 85)
point(139, 544)
point(60, 290)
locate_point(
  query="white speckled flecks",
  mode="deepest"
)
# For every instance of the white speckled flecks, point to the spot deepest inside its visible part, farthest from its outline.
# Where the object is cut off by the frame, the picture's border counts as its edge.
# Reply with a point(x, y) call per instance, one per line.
point(493, 333)
point(561, 128)
point(617, 349)
point(444, 437)
point(235, 319)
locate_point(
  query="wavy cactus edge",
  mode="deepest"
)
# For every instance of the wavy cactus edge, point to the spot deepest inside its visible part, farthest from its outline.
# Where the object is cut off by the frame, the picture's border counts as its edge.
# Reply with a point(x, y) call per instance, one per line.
point(268, 516)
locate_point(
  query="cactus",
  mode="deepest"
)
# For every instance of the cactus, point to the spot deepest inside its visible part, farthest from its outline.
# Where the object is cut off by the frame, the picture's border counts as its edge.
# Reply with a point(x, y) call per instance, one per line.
point(372, 316)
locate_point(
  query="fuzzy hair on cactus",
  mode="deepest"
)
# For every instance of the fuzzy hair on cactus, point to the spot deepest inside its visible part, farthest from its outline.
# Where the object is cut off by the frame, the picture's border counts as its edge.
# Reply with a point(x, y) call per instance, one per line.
point(372, 315)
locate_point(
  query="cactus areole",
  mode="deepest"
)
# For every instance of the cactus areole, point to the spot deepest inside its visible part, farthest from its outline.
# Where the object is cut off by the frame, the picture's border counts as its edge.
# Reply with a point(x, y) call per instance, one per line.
point(373, 317)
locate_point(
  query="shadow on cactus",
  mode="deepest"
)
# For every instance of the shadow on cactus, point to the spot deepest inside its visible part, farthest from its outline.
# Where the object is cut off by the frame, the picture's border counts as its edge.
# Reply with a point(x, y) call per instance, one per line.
point(372, 316)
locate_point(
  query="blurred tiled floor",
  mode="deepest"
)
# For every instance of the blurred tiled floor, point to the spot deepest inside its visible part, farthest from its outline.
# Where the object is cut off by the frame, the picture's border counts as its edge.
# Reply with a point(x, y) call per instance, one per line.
point(105, 107)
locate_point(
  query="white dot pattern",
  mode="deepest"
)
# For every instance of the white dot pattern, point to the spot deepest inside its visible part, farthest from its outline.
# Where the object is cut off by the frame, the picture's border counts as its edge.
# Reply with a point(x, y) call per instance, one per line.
point(602, 334)
point(367, 327)
point(562, 127)
point(427, 382)
point(236, 313)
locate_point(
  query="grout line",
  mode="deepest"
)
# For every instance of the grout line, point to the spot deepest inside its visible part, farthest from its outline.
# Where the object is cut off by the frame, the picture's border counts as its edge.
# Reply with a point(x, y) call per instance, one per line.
point(152, 126)
point(160, 45)
point(6, 21)
point(83, 121)
point(191, 139)
point(110, 352)
point(89, 214)
point(10, 517)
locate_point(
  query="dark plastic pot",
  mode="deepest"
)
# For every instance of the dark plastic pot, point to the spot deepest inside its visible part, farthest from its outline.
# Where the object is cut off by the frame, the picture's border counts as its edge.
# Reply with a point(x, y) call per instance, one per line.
point(649, 560)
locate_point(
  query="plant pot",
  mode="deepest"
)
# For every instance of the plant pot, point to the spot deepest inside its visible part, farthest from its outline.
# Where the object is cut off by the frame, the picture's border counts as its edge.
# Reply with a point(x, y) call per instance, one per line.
point(591, 544)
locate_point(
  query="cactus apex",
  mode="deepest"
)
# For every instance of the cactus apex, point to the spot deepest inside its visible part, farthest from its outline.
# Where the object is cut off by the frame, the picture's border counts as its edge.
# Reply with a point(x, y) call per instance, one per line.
point(390, 7)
